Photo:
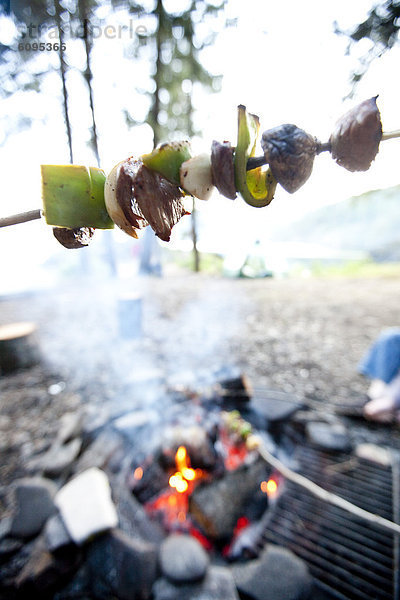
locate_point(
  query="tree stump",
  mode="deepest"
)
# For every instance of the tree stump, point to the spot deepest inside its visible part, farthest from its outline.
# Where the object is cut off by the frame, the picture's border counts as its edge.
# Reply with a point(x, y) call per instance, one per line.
point(18, 348)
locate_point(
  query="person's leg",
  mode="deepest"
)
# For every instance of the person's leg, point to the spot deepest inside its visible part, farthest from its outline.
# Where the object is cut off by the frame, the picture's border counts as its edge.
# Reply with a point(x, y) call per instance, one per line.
point(382, 364)
point(382, 359)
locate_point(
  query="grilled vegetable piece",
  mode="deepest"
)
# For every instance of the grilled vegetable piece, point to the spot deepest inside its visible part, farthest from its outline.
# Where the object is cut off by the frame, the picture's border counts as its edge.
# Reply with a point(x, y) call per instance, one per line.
point(121, 213)
point(73, 197)
point(167, 159)
point(73, 238)
point(257, 187)
point(222, 169)
point(290, 152)
point(195, 176)
point(137, 196)
point(356, 137)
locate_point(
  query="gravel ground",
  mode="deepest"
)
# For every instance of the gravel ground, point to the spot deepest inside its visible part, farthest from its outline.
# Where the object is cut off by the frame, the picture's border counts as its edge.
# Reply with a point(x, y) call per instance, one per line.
point(297, 335)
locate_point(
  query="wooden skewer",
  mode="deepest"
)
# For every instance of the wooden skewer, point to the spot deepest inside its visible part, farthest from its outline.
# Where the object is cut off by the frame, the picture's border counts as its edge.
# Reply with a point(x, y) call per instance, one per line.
point(30, 215)
point(252, 163)
point(390, 135)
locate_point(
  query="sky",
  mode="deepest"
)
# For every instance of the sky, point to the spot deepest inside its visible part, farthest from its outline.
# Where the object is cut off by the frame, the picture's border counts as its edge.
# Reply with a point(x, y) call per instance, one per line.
point(282, 60)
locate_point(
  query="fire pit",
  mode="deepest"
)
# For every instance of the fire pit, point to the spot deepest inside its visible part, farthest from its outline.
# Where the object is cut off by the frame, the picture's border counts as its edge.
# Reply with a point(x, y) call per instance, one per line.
point(179, 503)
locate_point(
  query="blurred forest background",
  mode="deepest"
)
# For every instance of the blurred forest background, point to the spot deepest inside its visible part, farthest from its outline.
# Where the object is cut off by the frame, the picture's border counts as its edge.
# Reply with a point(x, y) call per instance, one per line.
point(107, 79)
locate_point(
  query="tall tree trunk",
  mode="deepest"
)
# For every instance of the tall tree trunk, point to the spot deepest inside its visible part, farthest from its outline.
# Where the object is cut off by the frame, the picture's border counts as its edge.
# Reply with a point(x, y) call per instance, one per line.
point(63, 71)
point(88, 75)
point(155, 108)
point(190, 132)
point(196, 253)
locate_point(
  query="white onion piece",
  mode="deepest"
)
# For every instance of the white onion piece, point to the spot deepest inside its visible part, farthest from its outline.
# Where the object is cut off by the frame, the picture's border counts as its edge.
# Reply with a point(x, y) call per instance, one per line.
point(196, 178)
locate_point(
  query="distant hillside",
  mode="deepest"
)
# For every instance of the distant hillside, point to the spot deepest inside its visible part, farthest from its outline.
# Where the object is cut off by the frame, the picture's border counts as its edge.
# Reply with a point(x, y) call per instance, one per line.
point(370, 223)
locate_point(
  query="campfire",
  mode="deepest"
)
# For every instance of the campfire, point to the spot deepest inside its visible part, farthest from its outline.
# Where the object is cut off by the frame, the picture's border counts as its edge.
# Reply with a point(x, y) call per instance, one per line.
point(192, 504)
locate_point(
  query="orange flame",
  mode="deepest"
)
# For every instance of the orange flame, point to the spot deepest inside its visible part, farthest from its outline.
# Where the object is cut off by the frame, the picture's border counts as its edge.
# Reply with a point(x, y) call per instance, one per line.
point(184, 474)
point(269, 487)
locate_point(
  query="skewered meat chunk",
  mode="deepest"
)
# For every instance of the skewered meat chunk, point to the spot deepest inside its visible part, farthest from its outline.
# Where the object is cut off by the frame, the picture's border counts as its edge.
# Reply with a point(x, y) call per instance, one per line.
point(356, 137)
point(73, 238)
point(147, 198)
point(222, 168)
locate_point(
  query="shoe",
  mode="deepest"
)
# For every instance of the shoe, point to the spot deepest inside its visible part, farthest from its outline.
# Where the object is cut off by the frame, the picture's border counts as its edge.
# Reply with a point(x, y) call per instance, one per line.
point(383, 410)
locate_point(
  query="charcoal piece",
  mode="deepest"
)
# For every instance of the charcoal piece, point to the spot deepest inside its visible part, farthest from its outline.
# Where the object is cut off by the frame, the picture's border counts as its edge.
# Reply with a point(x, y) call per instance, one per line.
point(235, 389)
point(218, 584)
point(44, 573)
point(33, 505)
point(196, 441)
point(153, 481)
point(216, 506)
point(133, 519)
point(121, 567)
point(278, 574)
point(8, 547)
point(183, 559)
point(328, 436)
point(78, 588)
point(246, 543)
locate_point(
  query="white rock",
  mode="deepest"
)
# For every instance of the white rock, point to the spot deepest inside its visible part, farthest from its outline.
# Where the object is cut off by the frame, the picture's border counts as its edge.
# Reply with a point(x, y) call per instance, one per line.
point(86, 506)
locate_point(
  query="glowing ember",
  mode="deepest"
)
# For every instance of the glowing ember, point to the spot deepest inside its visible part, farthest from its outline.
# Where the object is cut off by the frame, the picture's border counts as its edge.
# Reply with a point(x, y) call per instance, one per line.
point(138, 473)
point(184, 473)
point(178, 482)
point(269, 487)
point(173, 504)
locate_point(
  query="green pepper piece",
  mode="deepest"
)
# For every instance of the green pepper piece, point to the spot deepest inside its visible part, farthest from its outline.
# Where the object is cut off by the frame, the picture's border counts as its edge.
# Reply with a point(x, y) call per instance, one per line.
point(257, 187)
point(167, 159)
point(73, 196)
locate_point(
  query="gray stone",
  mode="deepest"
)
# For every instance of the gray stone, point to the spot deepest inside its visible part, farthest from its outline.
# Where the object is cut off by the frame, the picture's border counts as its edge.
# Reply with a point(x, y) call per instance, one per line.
point(329, 436)
point(86, 506)
point(33, 506)
point(121, 567)
point(132, 421)
point(278, 571)
point(183, 559)
point(5, 527)
point(101, 451)
point(71, 425)
point(218, 584)
point(56, 534)
point(275, 405)
point(59, 459)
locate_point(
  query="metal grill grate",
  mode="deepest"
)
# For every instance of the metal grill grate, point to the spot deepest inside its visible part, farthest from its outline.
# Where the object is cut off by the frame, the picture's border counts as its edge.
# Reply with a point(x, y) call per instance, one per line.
point(349, 558)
